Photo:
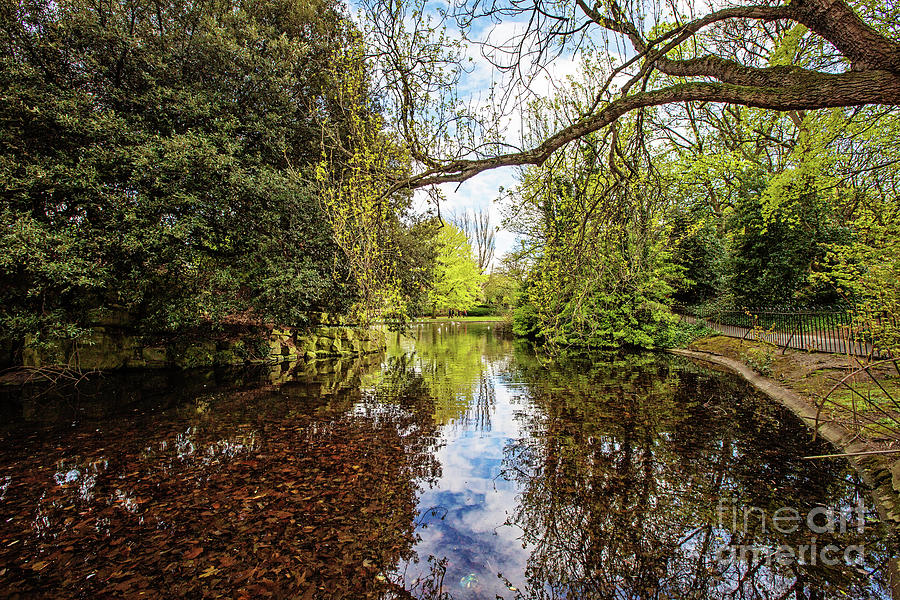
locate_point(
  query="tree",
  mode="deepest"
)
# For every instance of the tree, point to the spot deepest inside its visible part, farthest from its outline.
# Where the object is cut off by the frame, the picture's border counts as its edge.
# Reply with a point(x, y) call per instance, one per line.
point(723, 56)
point(160, 157)
point(457, 279)
point(602, 271)
point(480, 233)
point(500, 290)
point(353, 175)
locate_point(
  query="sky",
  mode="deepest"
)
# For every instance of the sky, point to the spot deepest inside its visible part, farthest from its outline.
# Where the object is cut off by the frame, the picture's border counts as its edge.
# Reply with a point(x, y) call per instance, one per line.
point(478, 194)
point(483, 191)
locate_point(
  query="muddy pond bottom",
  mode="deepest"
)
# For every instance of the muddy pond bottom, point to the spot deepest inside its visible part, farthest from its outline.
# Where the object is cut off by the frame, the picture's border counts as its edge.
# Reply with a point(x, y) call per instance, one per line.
point(454, 466)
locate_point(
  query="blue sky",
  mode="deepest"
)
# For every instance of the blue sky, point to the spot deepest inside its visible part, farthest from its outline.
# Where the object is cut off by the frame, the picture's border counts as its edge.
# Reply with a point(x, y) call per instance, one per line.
point(482, 191)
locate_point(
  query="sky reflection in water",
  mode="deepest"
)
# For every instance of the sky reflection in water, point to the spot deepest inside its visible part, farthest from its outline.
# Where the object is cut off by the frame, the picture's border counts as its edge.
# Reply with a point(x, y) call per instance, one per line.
point(456, 466)
point(563, 482)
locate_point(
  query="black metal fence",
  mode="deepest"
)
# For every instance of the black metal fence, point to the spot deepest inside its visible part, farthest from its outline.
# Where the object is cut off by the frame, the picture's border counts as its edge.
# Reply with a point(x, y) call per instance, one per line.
point(824, 329)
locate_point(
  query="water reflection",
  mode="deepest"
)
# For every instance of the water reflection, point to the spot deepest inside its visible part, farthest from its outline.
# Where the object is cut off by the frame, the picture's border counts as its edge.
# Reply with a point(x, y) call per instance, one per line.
point(604, 478)
point(455, 466)
point(632, 476)
point(456, 363)
point(303, 489)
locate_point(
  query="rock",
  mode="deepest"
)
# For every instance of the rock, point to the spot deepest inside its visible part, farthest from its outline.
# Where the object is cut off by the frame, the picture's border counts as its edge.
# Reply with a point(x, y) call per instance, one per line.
point(53, 352)
point(227, 357)
point(154, 355)
point(110, 317)
point(103, 351)
point(306, 343)
point(895, 476)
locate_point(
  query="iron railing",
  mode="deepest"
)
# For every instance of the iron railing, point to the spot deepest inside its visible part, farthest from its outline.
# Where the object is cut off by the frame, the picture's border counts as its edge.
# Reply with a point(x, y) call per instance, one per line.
point(835, 329)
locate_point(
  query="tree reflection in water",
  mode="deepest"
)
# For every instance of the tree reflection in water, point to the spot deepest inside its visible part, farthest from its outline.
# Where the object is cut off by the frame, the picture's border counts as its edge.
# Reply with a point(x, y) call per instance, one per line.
point(501, 476)
point(622, 469)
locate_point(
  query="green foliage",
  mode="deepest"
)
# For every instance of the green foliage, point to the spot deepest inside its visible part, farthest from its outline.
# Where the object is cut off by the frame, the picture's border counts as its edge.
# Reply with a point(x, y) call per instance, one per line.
point(500, 290)
point(417, 250)
point(760, 358)
point(773, 254)
point(457, 278)
point(702, 253)
point(354, 175)
point(602, 270)
point(481, 311)
point(155, 156)
point(683, 333)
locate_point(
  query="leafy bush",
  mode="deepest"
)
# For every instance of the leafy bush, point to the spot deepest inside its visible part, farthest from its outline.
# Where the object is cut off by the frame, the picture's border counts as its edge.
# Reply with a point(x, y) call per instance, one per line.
point(169, 179)
point(482, 310)
point(760, 358)
point(682, 333)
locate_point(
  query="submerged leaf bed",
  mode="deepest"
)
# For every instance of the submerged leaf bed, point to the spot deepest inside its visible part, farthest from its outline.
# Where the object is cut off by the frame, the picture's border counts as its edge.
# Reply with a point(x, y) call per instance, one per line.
point(270, 501)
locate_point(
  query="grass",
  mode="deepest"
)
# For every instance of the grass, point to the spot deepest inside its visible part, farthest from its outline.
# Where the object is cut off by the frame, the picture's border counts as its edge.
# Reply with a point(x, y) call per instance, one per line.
point(485, 319)
point(814, 375)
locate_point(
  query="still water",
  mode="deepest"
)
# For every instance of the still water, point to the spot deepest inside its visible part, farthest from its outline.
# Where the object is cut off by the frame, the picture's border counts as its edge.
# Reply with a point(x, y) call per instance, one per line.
point(457, 465)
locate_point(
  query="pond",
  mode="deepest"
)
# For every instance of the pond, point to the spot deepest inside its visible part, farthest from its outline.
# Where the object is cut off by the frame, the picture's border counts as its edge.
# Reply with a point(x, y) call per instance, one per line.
point(457, 465)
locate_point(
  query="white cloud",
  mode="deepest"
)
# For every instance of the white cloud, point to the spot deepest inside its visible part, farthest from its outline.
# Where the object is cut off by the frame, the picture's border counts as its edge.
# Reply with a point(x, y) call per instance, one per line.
point(478, 194)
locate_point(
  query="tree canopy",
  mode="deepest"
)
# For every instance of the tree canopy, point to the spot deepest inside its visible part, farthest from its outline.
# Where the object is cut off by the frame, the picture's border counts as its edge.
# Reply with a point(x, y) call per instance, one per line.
point(161, 157)
point(457, 277)
point(797, 55)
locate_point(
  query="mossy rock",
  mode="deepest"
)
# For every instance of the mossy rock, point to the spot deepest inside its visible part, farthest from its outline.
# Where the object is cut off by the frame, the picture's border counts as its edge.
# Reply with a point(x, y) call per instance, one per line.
point(105, 351)
point(110, 317)
point(46, 354)
point(154, 354)
point(307, 343)
point(227, 357)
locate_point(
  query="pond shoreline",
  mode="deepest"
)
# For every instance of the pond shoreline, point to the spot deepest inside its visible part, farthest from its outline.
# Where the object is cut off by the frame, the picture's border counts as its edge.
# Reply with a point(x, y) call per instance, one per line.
point(880, 472)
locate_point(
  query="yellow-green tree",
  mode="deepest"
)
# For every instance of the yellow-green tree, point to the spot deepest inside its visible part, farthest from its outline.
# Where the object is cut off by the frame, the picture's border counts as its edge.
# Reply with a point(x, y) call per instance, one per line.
point(457, 278)
point(356, 171)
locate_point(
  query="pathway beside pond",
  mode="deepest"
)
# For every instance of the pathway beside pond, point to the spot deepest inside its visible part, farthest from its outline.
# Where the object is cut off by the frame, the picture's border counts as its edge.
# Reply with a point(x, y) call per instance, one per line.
point(797, 339)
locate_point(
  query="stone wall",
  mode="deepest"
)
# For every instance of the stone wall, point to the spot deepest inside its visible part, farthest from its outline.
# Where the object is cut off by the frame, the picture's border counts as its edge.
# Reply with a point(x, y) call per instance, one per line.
point(112, 345)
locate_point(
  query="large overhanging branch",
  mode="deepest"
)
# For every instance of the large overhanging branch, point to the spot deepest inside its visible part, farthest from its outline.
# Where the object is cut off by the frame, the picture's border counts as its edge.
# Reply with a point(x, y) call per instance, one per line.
point(873, 77)
point(811, 91)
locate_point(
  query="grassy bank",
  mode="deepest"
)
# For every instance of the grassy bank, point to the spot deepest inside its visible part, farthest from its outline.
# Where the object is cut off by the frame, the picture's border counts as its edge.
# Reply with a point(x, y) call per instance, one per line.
point(484, 319)
point(857, 410)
